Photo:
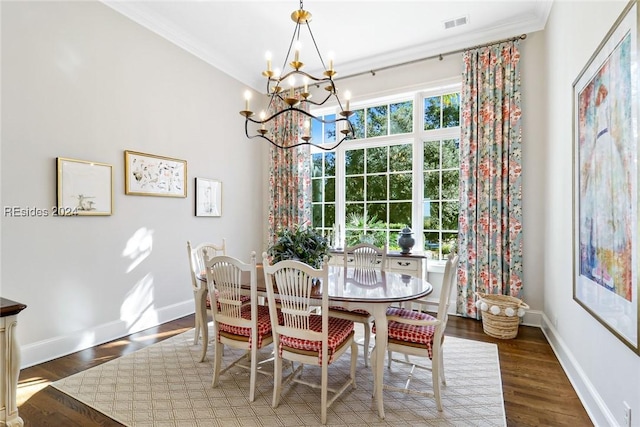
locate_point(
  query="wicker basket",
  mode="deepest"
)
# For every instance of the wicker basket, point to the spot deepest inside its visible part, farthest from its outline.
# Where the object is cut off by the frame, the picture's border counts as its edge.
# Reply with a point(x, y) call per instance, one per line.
point(504, 324)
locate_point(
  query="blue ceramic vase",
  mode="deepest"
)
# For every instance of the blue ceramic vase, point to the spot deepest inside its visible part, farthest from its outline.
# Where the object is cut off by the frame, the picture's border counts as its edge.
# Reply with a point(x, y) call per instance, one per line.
point(406, 240)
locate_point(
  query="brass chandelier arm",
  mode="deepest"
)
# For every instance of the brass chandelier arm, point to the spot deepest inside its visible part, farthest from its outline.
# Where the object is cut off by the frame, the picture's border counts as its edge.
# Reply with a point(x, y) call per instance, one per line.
point(305, 141)
point(306, 113)
point(316, 80)
point(299, 144)
point(307, 101)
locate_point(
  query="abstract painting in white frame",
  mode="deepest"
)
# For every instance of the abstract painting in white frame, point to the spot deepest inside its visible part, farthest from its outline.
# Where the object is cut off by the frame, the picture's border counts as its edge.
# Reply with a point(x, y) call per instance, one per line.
point(606, 182)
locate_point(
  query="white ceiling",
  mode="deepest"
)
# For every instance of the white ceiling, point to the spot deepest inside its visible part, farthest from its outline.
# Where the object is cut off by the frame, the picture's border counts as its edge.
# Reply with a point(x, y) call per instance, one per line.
point(363, 35)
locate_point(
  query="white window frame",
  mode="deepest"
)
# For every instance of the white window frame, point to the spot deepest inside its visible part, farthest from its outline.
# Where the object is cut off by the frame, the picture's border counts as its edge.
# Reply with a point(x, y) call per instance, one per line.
point(417, 138)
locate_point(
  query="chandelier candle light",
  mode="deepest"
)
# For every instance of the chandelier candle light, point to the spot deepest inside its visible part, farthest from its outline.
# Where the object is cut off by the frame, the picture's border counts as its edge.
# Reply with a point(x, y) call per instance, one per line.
point(294, 104)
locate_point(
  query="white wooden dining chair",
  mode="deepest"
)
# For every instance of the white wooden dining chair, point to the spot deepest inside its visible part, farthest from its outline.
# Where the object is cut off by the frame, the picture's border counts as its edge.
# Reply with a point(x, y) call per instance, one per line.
point(302, 336)
point(200, 295)
point(417, 333)
point(365, 260)
point(239, 323)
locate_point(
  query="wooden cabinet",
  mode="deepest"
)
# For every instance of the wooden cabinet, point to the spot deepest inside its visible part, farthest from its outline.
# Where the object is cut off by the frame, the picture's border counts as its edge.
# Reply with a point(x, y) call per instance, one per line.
point(414, 264)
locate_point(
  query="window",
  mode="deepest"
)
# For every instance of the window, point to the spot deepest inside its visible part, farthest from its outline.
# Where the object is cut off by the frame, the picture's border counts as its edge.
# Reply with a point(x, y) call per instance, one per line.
point(441, 167)
point(323, 190)
point(382, 120)
point(401, 169)
point(324, 129)
point(440, 203)
point(378, 193)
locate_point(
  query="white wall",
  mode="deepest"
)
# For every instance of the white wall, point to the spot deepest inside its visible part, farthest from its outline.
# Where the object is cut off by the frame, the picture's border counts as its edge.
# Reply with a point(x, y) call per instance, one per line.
point(603, 370)
point(79, 80)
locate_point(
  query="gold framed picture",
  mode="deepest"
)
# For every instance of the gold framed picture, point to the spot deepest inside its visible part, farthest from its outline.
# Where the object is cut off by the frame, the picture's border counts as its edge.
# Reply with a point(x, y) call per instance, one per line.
point(83, 188)
point(152, 175)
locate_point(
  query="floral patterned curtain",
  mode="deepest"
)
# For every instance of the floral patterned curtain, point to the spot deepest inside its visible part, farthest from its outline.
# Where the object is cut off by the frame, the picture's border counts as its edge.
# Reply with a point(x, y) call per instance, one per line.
point(289, 175)
point(490, 239)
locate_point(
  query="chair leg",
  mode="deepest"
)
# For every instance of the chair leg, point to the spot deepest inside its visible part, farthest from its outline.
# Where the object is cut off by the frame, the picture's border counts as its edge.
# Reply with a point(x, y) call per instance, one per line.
point(217, 364)
point(435, 379)
point(367, 338)
point(277, 379)
point(204, 327)
point(441, 362)
point(197, 323)
point(254, 369)
point(197, 330)
point(389, 356)
point(323, 394)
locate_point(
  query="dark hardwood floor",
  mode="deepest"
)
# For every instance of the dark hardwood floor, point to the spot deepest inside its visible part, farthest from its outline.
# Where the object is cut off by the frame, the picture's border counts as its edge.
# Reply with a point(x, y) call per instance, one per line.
point(535, 388)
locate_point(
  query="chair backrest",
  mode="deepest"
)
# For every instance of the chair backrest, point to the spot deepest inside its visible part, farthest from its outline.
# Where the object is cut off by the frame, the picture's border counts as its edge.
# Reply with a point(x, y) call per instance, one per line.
point(448, 279)
point(197, 258)
point(365, 256)
point(297, 283)
point(225, 275)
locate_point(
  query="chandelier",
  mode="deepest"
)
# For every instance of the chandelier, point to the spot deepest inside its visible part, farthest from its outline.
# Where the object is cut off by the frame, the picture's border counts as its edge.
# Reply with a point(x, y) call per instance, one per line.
point(290, 102)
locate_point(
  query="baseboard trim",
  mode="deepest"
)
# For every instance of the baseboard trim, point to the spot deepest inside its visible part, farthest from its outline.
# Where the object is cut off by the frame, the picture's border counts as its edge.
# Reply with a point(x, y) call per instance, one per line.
point(594, 405)
point(533, 318)
point(43, 351)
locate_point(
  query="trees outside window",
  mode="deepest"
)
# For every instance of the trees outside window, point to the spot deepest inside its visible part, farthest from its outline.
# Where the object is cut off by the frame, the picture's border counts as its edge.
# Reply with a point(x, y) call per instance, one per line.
point(323, 188)
point(393, 174)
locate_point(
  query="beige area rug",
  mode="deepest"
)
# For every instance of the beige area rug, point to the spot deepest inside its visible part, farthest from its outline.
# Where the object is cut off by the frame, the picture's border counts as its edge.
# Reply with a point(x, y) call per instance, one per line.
point(165, 385)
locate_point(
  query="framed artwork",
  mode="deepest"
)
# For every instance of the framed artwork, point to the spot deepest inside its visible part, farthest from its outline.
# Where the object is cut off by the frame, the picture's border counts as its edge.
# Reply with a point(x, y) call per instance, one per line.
point(208, 197)
point(151, 175)
point(83, 188)
point(605, 138)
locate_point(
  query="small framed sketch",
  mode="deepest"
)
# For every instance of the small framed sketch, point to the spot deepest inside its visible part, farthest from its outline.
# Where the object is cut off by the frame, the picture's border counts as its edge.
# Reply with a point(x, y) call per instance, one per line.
point(151, 175)
point(208, 197)
point(83, 188)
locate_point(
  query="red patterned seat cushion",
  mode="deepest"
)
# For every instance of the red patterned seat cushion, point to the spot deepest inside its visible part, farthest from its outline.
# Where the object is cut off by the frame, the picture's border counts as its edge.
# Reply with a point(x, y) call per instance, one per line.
point(264, 324)
point(339, 331)
point(412, 334)
point(243, 298)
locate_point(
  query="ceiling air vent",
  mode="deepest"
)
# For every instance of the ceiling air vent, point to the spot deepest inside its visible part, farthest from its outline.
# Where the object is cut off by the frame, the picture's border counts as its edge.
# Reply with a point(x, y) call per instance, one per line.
point(455, 22)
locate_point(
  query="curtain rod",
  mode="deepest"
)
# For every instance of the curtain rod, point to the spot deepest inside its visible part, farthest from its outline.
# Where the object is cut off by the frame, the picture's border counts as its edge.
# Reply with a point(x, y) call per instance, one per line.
point(440, 56)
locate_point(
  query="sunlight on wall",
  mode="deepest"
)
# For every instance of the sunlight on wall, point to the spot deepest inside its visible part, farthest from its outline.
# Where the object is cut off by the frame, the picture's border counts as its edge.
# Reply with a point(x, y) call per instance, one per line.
point(138, 309)
point(139, 247)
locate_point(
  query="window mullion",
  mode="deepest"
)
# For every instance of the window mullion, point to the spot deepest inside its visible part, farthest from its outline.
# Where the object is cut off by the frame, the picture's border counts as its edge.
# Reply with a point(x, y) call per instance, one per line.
point(341, 202)
point(417, 218)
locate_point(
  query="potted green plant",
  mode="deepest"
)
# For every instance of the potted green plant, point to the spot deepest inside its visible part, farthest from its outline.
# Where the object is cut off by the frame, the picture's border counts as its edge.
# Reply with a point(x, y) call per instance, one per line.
point(299, 243)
